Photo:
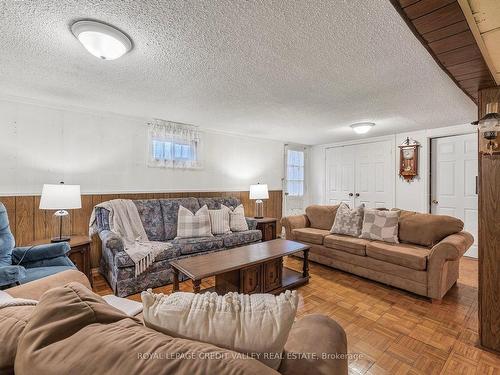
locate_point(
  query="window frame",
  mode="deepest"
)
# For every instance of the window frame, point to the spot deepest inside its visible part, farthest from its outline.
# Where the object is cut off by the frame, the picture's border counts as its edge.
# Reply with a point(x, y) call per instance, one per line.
point(300, 166)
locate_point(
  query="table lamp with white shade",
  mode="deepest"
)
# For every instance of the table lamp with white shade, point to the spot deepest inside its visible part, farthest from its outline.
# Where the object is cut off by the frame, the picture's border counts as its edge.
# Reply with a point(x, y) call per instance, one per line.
point(259, 192)
point(61, 197)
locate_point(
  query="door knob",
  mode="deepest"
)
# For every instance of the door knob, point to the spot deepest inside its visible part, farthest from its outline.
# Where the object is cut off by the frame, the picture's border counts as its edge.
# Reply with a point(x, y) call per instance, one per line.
point(435, 201)
point(351, 194)
point(357, 194)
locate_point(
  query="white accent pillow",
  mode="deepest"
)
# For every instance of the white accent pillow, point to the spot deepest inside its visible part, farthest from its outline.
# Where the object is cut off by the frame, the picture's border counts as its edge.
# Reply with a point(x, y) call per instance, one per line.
point(237, 220)
point(191, 225)
point(256, 324)
point(219, 220)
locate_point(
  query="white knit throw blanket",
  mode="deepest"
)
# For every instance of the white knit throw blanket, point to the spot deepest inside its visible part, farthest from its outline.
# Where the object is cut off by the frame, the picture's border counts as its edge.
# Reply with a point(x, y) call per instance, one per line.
point(124, 221)
point(6, 300)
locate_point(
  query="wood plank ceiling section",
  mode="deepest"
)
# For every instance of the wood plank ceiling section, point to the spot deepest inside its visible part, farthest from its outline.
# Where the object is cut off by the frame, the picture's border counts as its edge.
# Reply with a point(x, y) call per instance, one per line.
point(442, 28)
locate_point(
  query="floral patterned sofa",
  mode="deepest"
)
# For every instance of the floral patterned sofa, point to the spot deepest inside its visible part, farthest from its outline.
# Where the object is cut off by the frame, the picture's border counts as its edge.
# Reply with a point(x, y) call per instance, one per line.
point(159, 218)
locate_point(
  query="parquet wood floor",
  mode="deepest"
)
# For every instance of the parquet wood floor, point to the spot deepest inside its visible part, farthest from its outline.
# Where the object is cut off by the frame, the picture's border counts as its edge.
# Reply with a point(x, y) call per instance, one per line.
point(396, 332)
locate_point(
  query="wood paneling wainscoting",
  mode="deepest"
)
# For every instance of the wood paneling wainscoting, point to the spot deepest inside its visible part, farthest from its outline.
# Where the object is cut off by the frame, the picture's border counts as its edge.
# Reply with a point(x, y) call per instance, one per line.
point(28, 223)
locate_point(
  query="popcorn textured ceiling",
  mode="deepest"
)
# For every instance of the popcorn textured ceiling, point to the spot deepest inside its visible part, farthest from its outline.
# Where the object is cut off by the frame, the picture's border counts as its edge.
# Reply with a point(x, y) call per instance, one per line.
point(298, 71)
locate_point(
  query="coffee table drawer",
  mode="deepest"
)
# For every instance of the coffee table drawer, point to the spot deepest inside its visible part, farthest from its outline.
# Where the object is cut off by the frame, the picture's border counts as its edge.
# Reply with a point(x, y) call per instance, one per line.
point(272, 274)
point(251, 279)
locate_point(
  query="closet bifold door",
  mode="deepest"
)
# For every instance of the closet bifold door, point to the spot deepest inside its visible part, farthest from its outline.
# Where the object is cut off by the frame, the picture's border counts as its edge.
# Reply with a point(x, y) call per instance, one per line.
point(361, 173)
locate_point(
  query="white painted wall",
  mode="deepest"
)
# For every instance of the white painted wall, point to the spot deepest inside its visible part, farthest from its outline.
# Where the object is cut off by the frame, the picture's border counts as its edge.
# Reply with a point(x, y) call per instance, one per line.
point(409, 196)
point(106, 153)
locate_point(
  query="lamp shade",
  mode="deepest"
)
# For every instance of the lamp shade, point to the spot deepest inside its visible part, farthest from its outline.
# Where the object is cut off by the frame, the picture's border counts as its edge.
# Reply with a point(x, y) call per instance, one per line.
point(259, 191)
point(60, 197)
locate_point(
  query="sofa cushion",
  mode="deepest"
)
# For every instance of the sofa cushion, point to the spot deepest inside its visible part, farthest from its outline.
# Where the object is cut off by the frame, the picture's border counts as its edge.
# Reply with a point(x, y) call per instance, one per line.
point(12, 322)
point(406, 255)
point(427, 229)
point(170, 210)
point(198, 244)
point(36, 273)
point(214, 203)
point(70, 323)
point(349, 244)
point(311, 235)
point(320, 216)
point(241, 238)
point(348, 221)
point(152, 218)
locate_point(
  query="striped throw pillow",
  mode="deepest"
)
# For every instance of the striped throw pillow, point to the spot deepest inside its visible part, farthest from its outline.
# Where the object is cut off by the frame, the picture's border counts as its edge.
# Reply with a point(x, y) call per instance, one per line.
point(219, 220)
point(193, 225)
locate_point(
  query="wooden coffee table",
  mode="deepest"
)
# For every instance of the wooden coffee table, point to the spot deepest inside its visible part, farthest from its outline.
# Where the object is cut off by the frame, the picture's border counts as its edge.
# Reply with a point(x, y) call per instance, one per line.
point(256, 268)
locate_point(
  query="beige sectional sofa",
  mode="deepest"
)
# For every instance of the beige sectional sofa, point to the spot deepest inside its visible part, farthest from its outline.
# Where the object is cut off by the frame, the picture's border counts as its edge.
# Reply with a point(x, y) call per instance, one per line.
point(73, 331)
point(425, 262)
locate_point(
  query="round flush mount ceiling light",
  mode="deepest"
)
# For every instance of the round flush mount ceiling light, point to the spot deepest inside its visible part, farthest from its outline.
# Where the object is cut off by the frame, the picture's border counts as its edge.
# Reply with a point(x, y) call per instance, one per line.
point(362, 127)
point(101, 40)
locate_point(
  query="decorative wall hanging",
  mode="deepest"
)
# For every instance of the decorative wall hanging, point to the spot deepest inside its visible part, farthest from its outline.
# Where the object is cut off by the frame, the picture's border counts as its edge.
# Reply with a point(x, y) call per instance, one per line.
point(408, 159)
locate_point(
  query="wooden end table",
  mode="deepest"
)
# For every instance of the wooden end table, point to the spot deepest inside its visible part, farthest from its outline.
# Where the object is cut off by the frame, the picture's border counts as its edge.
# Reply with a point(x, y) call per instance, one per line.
point(256, 268)
point(267, 225)
point(79, 253)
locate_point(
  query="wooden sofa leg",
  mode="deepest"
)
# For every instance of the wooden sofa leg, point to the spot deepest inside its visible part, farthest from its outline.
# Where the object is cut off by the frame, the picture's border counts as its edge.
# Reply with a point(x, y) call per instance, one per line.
point(436, 301)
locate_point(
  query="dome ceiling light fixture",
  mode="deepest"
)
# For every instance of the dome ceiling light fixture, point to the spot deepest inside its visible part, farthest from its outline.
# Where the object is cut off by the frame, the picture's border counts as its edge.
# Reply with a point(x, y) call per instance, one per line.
point(103, 41)
point(362, 127)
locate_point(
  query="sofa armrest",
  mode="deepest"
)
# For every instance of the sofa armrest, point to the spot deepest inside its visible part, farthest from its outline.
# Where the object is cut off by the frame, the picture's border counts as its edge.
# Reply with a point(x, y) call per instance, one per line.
point(294, 222)
point(252, 223)
point(29, 254)
point(450, 249)
point(35, 289)
point(11, 274)
point(323, 342)
point(111, 241)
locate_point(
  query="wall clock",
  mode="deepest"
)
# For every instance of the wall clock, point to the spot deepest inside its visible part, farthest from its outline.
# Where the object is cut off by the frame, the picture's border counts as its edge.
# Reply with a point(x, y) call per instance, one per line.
point(408, 159)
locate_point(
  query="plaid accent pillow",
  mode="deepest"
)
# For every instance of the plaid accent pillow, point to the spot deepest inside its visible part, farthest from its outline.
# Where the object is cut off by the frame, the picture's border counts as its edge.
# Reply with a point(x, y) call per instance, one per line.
point(348, 221)
point(381, 225)
point(193, 225)
point(219, 220)
point(237, 220)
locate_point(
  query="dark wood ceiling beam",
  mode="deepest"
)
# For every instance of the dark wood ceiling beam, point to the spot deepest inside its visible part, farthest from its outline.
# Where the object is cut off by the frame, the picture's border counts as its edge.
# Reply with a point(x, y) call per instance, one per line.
point(460, 55)
point(405, 3)
point(424, 7)
point(440, 18)
point(453, 42)
point(442, 28)
point(446, 32)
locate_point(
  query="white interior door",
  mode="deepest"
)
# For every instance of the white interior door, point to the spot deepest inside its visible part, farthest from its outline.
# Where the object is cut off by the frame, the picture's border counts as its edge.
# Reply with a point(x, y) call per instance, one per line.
point(340, 164)
point(362, 173)
point(375, 175)
point(295, 182)
point(453, 181)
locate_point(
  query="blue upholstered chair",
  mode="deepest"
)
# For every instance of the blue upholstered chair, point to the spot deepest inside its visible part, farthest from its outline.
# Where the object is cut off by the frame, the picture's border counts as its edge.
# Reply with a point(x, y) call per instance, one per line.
point(19, 265)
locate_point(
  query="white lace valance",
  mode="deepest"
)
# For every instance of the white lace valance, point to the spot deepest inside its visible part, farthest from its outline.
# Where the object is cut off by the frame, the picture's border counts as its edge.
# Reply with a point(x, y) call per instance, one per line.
point(173, 145)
